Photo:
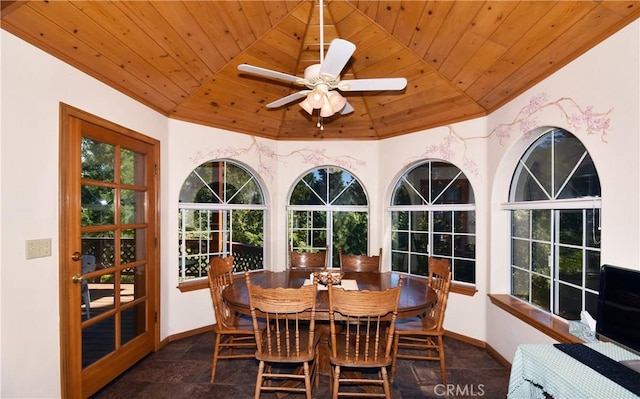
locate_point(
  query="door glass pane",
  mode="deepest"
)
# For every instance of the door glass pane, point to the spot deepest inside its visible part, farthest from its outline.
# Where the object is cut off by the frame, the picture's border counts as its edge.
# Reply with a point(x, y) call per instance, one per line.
point(132, 167)
point(132, 245)
point(102, 294)
point(132, 284)
point(101, 245)
point(97, 205)
point(132, 206)
point(98, 340)
point(133, 322)
point(97, 160)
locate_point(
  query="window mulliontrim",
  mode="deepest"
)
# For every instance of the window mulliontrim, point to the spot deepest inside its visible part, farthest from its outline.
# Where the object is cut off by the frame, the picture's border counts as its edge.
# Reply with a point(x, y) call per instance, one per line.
point(574, 203)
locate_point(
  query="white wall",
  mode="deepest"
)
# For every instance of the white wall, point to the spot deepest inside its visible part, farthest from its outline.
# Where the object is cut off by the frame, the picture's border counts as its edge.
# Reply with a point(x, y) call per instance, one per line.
point(34, 83)
point(601, 85)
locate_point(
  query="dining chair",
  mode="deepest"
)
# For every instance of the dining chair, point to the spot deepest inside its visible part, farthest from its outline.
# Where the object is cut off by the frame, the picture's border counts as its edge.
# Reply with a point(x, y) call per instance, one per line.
point(309, 260)
point(234, 335)
point(360, 263)
point(421, 337)
point(287, 339)
point(362, 325)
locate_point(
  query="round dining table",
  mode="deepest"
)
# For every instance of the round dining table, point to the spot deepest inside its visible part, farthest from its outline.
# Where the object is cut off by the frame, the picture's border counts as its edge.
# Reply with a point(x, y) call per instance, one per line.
point(415, 296)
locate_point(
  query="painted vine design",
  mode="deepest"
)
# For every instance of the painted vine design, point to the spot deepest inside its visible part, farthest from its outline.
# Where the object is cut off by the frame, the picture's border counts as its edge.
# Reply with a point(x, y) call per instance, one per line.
point(525, 121)
point(266, 156)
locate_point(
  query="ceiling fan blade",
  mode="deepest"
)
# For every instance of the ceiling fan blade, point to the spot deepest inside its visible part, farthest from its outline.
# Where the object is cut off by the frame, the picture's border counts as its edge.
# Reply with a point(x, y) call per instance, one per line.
point(337, 57)
point(270, 73)
point(347, 109)
point(373, 84)
point(288, 99)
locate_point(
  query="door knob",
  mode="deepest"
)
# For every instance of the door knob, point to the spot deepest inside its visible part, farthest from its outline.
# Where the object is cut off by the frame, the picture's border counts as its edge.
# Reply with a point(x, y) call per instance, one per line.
point(77, 278)
point(76, 256)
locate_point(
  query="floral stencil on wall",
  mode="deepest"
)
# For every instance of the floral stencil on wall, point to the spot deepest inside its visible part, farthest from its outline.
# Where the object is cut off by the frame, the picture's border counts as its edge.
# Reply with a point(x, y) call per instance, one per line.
point(267, 156)
point(578, 119)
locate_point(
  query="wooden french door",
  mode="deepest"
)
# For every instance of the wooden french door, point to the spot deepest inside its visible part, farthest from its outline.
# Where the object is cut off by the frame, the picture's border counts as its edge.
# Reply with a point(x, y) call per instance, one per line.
point(108, 250)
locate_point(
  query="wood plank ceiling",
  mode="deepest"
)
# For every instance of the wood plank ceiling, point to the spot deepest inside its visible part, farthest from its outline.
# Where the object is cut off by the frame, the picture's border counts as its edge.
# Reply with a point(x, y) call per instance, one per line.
point(462, 59)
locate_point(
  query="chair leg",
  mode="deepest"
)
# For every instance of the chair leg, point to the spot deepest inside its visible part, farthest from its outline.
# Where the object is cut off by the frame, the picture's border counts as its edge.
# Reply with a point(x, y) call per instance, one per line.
point(385, 383)
point(394, 357)
point(443, 371)
point(216, 353)
point(336, 382)
point(259, 380)
point(307, 380)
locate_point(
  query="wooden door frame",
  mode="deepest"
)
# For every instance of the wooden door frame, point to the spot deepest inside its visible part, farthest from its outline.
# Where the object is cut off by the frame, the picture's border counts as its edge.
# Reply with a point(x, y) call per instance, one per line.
point(70, 362)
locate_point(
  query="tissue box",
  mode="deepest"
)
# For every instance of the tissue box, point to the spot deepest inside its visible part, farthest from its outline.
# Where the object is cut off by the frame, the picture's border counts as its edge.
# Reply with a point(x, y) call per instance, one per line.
point(582, 331)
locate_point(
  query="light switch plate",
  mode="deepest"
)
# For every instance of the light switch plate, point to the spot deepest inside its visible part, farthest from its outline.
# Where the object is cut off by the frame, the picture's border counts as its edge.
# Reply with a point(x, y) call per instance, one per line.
point(38, 248)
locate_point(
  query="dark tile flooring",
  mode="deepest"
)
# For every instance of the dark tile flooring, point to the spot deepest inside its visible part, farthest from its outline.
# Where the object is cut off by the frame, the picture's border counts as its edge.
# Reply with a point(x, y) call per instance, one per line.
point(182, 369)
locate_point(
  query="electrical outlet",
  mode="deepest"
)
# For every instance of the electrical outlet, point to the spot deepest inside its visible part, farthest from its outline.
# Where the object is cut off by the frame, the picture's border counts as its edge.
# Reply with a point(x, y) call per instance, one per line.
point(38, 248)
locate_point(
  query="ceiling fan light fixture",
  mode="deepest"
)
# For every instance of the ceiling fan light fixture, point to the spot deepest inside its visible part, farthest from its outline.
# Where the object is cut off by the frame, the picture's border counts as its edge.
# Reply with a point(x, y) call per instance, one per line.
point(326, 110)
point(336, 100)
point(315, 98)
point(306, 106)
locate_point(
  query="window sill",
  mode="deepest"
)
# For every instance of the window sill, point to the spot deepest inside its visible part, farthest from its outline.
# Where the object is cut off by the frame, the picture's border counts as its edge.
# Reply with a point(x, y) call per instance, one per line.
point(463, 289)
point(203, 283)
point(193, 285)
point(543, 321)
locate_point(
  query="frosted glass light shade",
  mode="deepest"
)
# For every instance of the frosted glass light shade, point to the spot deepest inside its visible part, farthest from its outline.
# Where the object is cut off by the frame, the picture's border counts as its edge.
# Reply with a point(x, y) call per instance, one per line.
point(315, 98)
point(336, 100)
point(326, 110)
point(306, 106)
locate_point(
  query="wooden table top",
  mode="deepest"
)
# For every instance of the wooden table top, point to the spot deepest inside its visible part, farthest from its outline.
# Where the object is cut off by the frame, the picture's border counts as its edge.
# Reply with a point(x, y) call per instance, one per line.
point(414, 297)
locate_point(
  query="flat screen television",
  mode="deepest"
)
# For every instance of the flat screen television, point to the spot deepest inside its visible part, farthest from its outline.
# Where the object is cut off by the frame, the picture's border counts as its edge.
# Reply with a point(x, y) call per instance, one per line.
point(618, 318)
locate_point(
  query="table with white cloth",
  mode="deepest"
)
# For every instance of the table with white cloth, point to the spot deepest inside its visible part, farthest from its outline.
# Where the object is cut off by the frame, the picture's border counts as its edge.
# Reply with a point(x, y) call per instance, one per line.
point(542, 370)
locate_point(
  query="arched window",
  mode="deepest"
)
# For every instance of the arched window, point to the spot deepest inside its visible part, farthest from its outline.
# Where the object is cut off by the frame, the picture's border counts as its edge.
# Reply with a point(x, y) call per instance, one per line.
point(555, 226)
point(433, 214)
point(328, 208)
point(221, 212)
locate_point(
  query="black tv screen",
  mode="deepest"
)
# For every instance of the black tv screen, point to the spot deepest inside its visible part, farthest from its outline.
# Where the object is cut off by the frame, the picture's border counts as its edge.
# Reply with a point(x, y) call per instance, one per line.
point(618, 317)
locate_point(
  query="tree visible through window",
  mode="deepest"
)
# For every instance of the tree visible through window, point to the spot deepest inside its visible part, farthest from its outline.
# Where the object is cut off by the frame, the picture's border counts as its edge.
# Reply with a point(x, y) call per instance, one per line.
point(221, 212)
point(433, 214)
point(328, 208)
point(555, 226)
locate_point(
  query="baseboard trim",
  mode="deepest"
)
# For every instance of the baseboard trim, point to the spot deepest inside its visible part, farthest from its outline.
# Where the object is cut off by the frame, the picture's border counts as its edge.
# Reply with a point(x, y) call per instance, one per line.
point(186, 334)
point(480, 344)
point(499, 358)
point(458, 337)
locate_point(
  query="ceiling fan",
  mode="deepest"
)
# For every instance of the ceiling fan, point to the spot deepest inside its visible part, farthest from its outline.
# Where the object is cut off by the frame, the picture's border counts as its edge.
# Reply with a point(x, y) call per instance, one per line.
point(323, 79)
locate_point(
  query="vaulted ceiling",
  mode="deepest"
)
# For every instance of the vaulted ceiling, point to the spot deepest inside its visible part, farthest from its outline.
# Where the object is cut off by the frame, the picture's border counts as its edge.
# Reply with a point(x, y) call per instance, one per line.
point(462, 59)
